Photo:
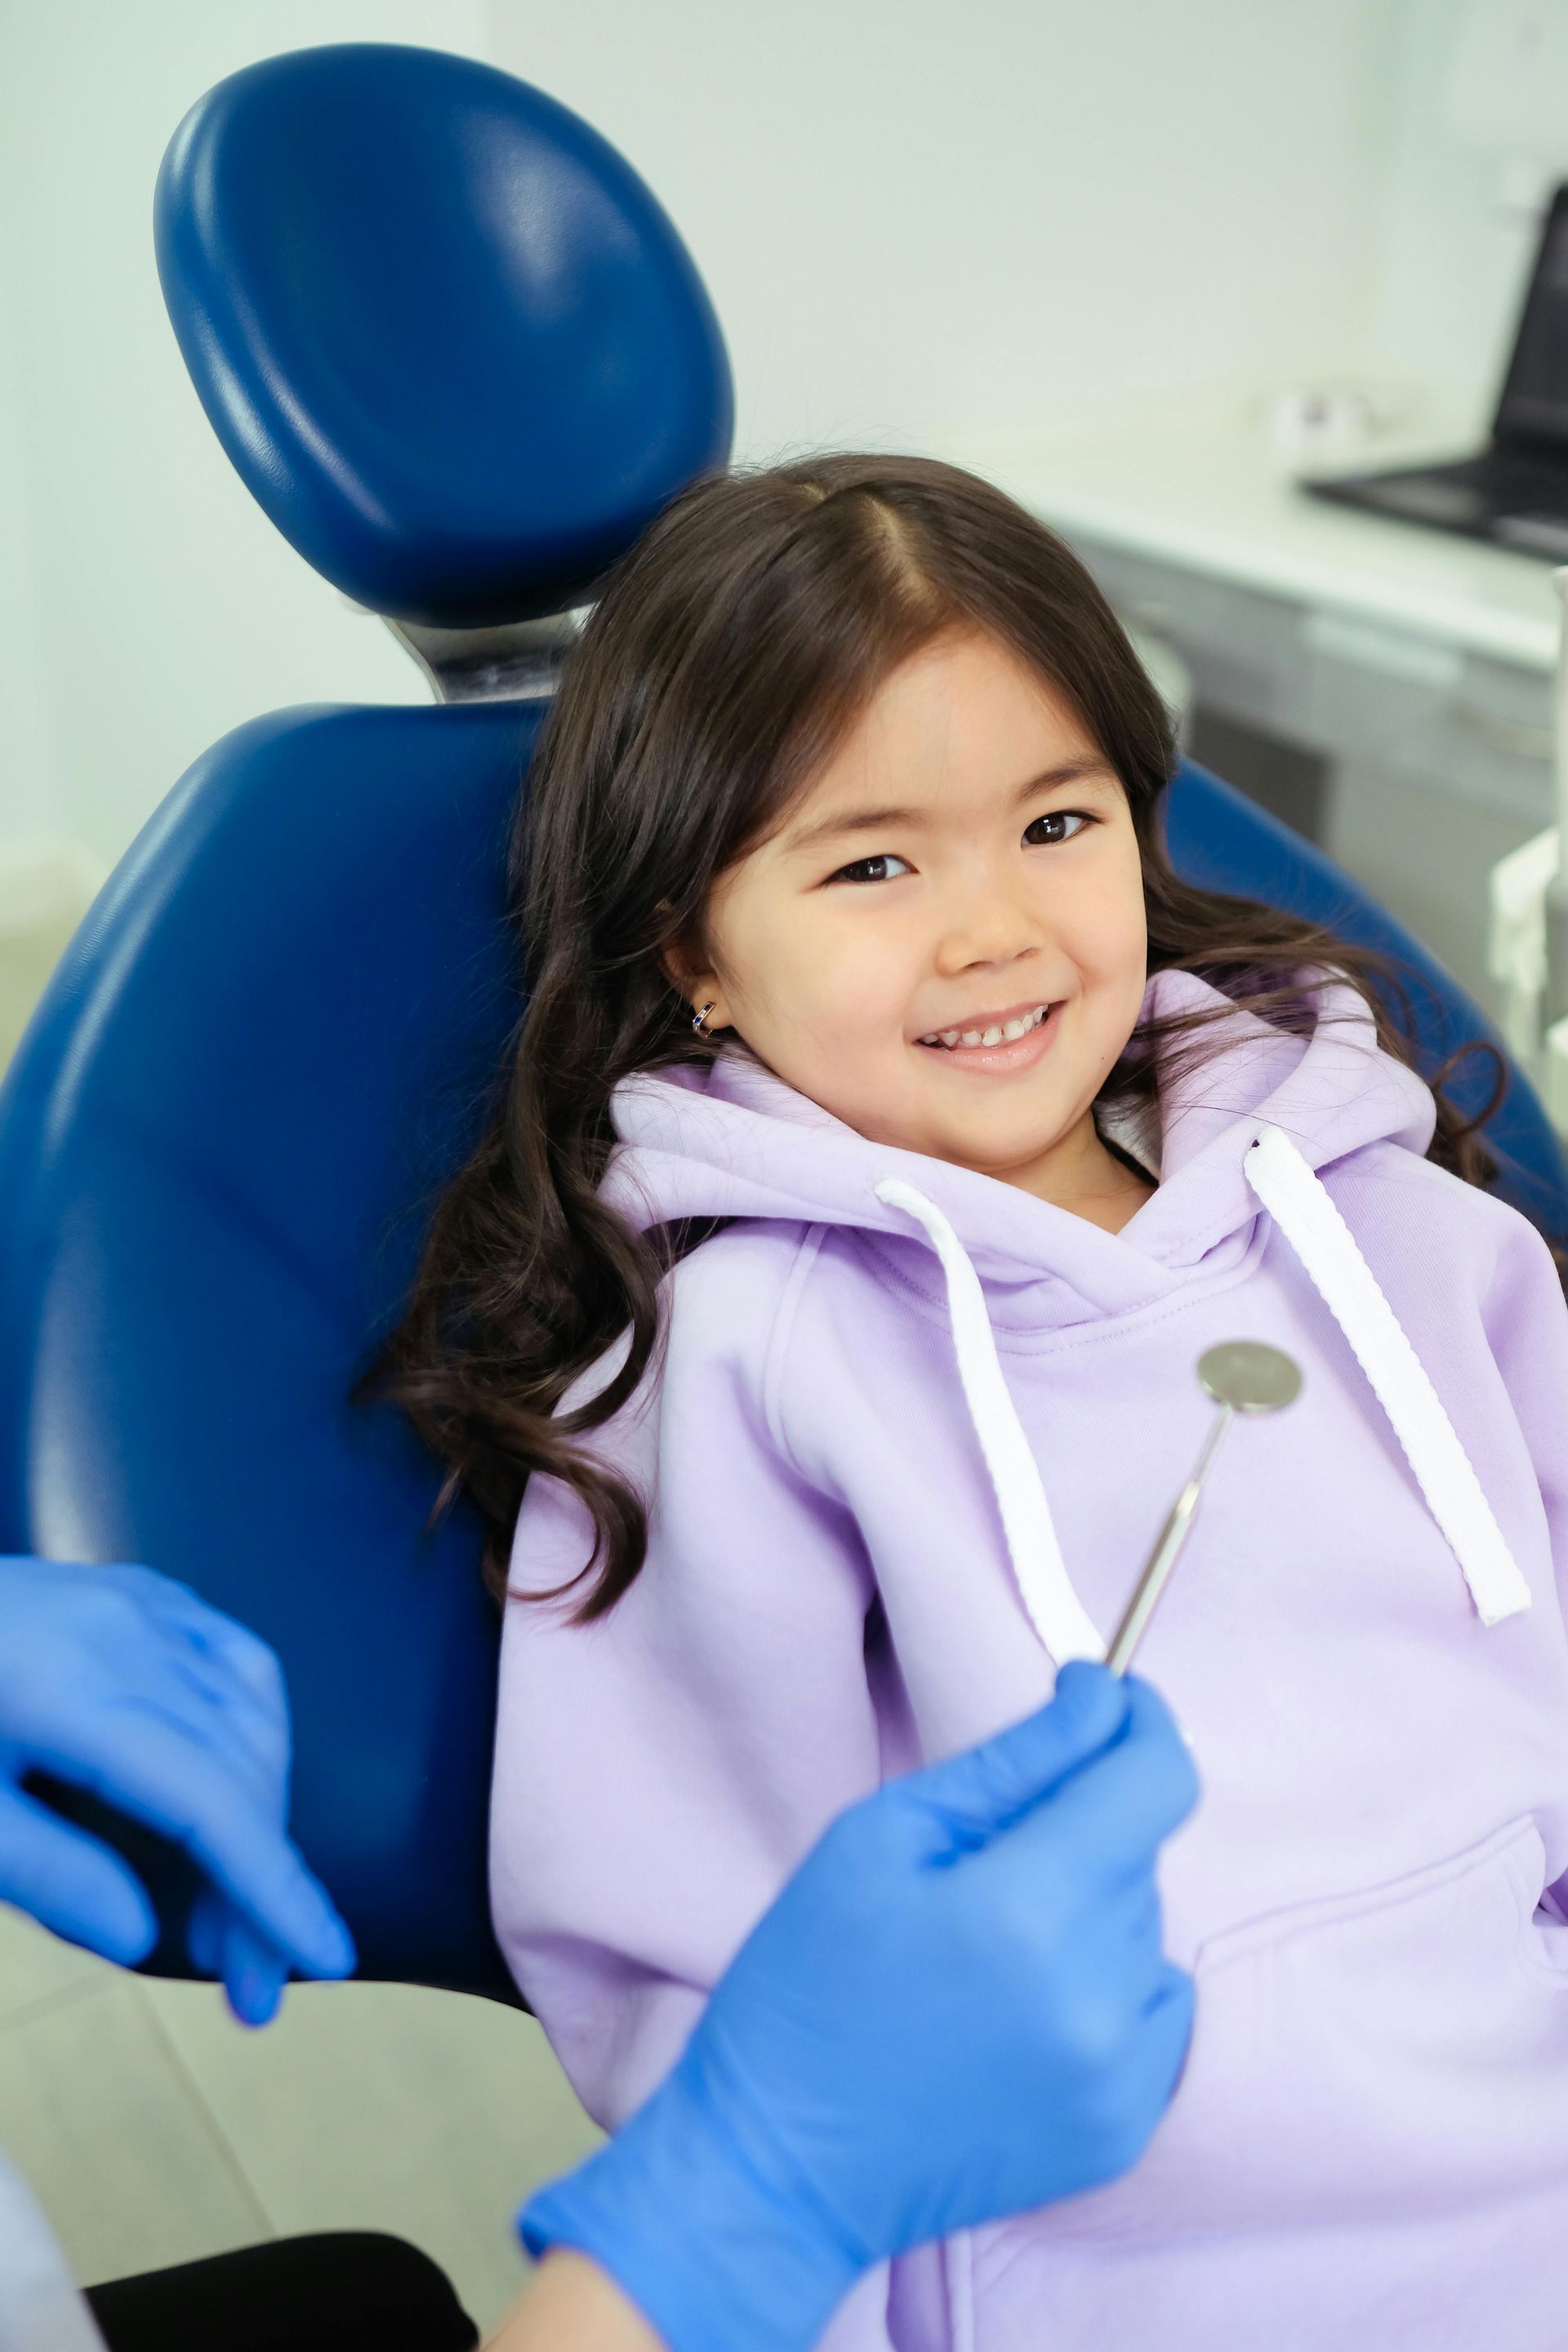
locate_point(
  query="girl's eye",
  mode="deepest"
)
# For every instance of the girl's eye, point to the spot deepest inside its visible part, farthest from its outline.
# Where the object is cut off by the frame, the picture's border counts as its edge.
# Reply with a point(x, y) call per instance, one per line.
point(856, 873)
point(1062, 825)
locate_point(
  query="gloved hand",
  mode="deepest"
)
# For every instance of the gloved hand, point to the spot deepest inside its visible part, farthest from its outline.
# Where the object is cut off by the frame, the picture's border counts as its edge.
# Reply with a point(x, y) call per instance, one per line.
point(958, 2008)
point(126, 1684)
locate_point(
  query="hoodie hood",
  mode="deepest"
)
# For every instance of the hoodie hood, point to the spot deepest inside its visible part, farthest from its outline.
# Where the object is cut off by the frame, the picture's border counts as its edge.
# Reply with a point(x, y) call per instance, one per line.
point(1242, 1134)
point(732, 1139)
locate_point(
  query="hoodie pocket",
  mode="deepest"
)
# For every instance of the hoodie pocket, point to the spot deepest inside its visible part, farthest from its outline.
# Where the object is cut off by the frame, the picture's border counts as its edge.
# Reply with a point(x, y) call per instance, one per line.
point(1371, 2058)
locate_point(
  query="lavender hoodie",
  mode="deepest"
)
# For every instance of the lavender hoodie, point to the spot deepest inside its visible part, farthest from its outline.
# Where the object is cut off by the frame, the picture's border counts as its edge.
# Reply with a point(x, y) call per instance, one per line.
point(913, 1435)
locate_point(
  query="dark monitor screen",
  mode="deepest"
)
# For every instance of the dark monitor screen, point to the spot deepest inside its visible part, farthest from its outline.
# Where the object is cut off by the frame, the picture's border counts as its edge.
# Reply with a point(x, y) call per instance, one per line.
point(1534, 403)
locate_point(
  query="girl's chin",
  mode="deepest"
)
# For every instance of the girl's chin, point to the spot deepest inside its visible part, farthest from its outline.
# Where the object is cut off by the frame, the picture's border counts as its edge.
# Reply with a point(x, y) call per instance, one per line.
point(998, 1134)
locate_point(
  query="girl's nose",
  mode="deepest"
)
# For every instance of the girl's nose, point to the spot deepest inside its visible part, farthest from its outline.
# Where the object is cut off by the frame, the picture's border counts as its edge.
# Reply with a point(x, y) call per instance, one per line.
point(988, 928)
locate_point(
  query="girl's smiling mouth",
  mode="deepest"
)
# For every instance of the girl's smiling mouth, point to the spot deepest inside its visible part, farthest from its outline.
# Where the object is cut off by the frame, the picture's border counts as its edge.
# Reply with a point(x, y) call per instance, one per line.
point(1011, 1043)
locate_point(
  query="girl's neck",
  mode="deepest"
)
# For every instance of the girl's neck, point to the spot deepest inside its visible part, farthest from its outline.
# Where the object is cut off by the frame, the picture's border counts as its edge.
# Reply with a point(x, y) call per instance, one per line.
point(1082, 1174)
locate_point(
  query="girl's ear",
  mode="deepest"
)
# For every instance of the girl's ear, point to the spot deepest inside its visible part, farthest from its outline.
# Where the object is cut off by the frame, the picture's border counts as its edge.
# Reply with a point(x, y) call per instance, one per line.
point(679, 966)
point(676, 971)
point(702, 996)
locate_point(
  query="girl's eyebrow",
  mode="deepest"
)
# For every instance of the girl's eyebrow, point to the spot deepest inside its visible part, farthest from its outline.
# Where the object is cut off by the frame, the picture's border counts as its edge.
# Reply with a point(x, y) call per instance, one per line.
point(1088, 765)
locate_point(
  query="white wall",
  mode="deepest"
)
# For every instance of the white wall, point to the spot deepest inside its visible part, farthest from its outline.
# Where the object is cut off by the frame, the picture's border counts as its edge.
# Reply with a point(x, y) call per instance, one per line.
point(30, 769)
point(146, 601)
point(1461, 216)
point(911, 213)
point(912, 217)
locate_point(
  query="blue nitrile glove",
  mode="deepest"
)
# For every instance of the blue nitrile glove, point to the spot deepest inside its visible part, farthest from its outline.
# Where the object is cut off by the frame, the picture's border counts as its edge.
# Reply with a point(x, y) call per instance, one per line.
point(127, 1685)
point(959, 2007)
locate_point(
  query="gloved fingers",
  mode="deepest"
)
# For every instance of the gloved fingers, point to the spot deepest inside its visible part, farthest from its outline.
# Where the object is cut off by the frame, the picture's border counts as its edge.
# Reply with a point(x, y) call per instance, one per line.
point(965, 1801)
point(1116, 1809)
point(158, 1595)
point(1143, 1916)
point(215, 1649)
point(1168, 2029)
point(210, 1913)
point(223, 1943)
point(242, 1655)
point(1101, 1946)
point(105, 1639)
point(174, 1613)
point(218, 1646)
point(219, 1707)
point(211, 1726)
point(123, 1659)
point(1137, 2086)
point(154, 1769)
point(72, 1883)
point(218, 1695)
point(164, 1596)
point(254, 1973)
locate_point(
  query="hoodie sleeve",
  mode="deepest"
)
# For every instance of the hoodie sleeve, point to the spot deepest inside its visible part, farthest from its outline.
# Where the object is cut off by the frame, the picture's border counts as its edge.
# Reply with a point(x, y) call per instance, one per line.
point(661, 1771)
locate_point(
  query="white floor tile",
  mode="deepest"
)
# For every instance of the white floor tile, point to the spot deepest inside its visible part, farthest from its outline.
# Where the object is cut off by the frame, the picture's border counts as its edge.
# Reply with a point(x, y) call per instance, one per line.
point(388, 2106)
point(101, 2117)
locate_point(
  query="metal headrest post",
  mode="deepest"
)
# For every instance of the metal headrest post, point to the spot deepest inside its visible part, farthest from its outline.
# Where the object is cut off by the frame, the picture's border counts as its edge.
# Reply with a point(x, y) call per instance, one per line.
point(518, 661)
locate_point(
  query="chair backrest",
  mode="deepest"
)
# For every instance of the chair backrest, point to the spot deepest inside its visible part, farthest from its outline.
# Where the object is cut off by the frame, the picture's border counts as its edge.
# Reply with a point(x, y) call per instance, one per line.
point(1223, 842)
point(266, 1046)
point(274, 1035)
point(215, 1149)
point(460, 355)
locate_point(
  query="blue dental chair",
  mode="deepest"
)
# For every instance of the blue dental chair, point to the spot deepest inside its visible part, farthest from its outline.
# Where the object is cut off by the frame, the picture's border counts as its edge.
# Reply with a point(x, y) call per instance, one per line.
point(461, 356)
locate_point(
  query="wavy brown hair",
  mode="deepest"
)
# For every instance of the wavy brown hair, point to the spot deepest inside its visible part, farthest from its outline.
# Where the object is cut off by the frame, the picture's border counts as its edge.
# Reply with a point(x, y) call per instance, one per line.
point(728, 654)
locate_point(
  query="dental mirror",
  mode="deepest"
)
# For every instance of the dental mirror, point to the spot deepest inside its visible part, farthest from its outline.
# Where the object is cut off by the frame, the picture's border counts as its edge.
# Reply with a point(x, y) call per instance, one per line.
point(1241, 1376)
point(1248, 1376)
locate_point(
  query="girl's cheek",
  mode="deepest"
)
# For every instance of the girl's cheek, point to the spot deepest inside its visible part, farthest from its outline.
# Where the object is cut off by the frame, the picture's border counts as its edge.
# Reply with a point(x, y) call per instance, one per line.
point(1109, 946)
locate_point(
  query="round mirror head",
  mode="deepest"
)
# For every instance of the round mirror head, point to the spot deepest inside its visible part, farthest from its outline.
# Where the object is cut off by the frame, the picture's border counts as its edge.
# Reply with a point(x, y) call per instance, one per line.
point(1248, 1376)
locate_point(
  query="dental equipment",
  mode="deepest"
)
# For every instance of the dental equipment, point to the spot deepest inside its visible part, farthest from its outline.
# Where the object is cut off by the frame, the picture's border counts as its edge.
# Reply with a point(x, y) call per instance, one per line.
point(1242, 1376)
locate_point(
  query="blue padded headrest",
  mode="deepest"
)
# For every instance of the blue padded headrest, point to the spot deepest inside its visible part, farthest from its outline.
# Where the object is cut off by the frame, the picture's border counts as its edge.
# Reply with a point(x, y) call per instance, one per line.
point(449, 339)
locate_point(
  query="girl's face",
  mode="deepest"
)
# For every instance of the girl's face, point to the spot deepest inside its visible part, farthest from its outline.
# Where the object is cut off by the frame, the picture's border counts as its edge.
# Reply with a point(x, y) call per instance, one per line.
point(965, 861)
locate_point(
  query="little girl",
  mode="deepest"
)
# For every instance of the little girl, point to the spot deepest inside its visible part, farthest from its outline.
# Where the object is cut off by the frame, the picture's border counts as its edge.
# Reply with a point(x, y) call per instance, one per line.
point(890, 1132)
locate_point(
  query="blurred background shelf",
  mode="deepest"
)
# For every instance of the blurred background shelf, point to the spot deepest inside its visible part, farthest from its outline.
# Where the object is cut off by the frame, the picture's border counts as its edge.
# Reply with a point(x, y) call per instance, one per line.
point(1386, 691)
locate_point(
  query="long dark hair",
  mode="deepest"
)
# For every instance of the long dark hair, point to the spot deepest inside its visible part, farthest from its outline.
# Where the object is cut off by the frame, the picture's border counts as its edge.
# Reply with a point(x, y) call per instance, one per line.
point(727, 656)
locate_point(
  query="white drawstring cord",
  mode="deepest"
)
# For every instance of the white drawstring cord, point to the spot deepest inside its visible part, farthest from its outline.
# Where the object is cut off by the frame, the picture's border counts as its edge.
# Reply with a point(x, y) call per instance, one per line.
point(1300, 1206)
point(1056, 1613)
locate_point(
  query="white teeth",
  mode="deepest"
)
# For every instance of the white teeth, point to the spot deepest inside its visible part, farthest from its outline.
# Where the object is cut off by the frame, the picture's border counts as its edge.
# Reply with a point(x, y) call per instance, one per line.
point(1005, 1035)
